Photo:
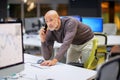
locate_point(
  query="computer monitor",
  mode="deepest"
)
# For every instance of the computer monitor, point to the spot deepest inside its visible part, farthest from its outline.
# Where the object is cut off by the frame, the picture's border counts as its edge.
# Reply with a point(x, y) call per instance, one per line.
point(95, 23)
point(42, 21)
point(77, 17)
point(74, 16)
point(32, 25)
point(11, 48)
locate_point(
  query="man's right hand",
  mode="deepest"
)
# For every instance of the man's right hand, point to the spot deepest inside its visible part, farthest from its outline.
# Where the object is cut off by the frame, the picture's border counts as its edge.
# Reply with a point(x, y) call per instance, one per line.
point(49, 62)
point(42, 34)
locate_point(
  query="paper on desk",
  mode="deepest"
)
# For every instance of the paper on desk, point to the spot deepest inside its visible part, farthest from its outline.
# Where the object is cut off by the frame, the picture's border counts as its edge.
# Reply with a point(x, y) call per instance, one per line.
point(39, 66)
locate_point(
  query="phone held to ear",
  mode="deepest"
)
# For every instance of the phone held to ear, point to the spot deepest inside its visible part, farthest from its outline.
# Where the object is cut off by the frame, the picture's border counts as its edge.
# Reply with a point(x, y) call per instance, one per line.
point(45, 27)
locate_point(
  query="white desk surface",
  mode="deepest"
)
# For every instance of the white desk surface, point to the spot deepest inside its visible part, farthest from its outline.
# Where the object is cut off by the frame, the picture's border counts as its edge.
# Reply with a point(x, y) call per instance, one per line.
point(57, 72)
point(34, 40)
point(113, 40)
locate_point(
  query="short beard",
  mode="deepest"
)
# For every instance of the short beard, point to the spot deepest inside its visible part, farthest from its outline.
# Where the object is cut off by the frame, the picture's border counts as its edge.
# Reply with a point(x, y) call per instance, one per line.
point(54, 28)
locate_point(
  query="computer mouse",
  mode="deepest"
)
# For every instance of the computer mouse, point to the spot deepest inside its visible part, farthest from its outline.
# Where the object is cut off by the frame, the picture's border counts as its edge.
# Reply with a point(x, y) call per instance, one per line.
point(40, 61)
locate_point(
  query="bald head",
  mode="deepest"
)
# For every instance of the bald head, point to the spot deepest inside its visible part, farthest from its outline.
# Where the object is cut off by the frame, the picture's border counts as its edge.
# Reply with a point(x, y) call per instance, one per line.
point(52, 13)
point(52, 20)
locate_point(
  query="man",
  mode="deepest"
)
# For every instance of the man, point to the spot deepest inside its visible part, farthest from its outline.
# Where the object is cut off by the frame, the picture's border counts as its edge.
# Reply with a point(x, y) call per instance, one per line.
point(74, 36)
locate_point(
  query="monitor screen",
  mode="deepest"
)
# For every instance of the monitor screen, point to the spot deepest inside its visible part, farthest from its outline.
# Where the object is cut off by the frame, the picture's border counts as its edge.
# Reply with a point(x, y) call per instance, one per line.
point(77, 17)
point(32, 25)
point(11, 44)
point(74, 16)
point(95, 23)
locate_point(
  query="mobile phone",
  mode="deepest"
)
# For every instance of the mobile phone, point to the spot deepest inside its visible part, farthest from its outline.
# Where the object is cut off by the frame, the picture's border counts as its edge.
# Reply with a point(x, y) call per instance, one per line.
point(45, 27)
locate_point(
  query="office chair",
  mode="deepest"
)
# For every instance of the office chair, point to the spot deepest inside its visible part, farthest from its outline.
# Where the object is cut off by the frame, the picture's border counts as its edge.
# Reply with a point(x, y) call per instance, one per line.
point(102, 47)
point(110, 70)
point(109, 28)
point(91, 62)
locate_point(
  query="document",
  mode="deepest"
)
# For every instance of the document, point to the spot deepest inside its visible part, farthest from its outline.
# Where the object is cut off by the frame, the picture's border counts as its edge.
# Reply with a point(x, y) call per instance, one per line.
point(39, 66)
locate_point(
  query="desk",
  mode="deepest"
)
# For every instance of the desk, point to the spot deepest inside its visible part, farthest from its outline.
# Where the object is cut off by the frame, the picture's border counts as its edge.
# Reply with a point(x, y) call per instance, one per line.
point(34, 40)
point(113, 40)
point(31, 40)
point(57, 72)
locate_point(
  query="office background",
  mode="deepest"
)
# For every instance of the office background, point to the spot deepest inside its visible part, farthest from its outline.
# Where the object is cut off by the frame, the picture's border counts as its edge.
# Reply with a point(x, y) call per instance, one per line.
point(109, 10)
point(28, 10)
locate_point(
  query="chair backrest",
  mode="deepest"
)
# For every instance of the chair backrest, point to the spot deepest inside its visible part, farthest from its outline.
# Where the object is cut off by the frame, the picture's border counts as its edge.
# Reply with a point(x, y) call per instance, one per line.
point(102, 38)
point(102, 49)
point(110, 28)
point(109, 70)
point(91, 62)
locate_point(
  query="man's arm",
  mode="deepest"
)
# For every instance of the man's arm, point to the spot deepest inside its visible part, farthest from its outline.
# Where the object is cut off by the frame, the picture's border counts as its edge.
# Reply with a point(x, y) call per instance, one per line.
point(71, 29)
point(46, 47)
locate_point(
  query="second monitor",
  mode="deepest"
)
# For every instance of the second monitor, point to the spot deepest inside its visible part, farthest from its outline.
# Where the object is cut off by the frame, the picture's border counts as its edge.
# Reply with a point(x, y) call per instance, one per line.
point(95, 23)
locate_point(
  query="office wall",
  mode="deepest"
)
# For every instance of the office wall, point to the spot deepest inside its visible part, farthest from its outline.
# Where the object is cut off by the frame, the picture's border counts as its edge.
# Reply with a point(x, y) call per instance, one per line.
point(3, 8)
point(90, 8)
